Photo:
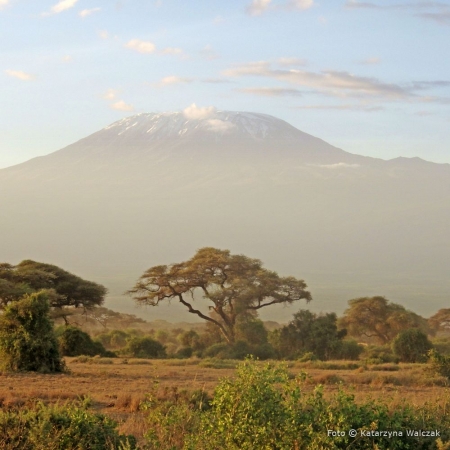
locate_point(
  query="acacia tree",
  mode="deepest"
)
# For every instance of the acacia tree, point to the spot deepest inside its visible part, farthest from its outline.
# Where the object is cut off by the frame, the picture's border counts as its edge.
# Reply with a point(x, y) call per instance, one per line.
point(377, 318)
point(235, 287)
point(63, 289)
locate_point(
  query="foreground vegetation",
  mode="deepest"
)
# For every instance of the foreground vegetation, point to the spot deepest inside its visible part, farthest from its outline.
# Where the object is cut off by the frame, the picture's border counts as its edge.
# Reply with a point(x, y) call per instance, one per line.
point(120, 399)
point(180, 404)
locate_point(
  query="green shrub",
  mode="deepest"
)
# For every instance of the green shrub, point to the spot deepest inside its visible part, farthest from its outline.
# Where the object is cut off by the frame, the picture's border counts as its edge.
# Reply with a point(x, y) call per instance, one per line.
point(214, 350)
point(145, 347)
point(68, 427)
point(439, 364)
point(184, 352)
point(411, 345)
point(27, 338)
point(349, 350)
point(75, 342)
point(375, 354)
point(262, 408)
point(442, 346)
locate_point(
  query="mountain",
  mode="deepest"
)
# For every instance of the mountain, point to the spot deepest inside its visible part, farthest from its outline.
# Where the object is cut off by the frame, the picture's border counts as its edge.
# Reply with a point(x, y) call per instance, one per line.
point(153, 188)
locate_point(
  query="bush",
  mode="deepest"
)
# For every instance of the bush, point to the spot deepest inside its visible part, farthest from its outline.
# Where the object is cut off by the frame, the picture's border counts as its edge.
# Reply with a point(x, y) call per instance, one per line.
point(184, 352)
point(145, 347)
point(379, 354)
point(27, 338)
point(75, 342)
point(411, 345)
point(439, 364)
point(349, 349)
point(263, 409)
point(69, 427)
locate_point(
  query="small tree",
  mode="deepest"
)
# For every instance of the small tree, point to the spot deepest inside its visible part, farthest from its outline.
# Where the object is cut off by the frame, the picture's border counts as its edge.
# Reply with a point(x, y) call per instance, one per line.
point(27, 338)
point(412, 345)
point(64, 288)
point(375, 318)
point(145, 347)
point(74, 342)
point(309, 332)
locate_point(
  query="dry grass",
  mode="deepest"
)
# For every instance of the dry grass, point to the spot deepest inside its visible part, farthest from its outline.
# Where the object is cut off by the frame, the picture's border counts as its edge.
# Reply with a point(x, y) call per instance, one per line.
point(118, 387)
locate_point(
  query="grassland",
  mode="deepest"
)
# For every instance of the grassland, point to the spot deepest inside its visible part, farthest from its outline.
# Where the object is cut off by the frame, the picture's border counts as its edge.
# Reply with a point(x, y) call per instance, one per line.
point(117, 386)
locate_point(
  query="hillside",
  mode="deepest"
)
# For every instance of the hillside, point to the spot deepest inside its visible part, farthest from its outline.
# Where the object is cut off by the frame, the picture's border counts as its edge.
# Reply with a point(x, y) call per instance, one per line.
point(151, 189)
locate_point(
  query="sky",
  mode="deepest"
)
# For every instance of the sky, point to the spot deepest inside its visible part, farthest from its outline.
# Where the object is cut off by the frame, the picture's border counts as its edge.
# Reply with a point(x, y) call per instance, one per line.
point(370, 77)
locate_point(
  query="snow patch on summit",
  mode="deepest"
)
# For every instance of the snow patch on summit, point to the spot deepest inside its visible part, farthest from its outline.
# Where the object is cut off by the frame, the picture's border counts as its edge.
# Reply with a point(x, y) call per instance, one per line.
point(194, 120)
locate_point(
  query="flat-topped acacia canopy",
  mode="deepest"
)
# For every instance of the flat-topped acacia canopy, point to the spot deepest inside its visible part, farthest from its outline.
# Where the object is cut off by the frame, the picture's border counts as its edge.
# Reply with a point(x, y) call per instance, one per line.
point(234, 286)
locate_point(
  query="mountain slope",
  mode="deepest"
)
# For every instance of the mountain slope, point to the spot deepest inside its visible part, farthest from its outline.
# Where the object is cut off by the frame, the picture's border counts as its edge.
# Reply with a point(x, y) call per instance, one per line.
point(152, 188)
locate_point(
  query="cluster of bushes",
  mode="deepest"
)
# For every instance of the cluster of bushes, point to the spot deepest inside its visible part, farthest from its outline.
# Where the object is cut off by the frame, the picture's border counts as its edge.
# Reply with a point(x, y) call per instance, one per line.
point(265, 408)
point(58, 427)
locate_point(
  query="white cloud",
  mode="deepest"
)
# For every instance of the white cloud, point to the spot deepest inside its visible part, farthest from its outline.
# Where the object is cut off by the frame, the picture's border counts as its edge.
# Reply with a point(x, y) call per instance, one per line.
point(196, 112)
point(103, 34)
point(172, 51)
point(220, 126)
point(110, 94)
point(172, 79)
point(344, 107)
point(208, 52)
point(60, 7)
point(291, 62)
point(88, 12)
point(122, 106)
point(301, 4)
point(271, 92)
point(4, 3)
point(371, 61)
point(20, 75)
point(334, 83)
point(257, 7)
point(141, 46)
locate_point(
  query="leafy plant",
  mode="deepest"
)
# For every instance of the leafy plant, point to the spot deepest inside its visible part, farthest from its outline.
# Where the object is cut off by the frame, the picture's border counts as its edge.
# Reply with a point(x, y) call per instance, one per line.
point(27, 338)
point(60, 427)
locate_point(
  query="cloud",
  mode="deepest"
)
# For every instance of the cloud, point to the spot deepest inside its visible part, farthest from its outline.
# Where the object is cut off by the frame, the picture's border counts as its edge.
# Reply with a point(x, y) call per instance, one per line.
point(110, 94)
point(442, 18)
point(67, 59)
point(287, 62)
point(220, 126)
point(3, 3)
point(172, 51)
point(88, 12)
point(216, 80)
point(438, 12)
point(257, 7)
point(122, 106)
point(371, 61)
point(141, 46)
point(60, 7)
point(103, 34)
point(345, 107)
point(20, 75)
point(300, 4)
point(330, 82)
point(173, 79)
point(195, 112)
point(207, 52)
point(408, 5)
point(271, 92)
